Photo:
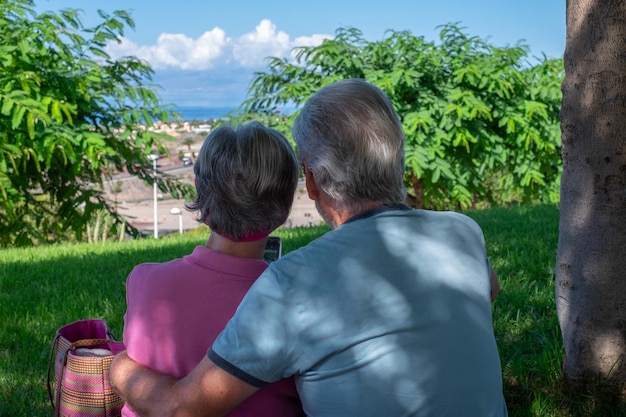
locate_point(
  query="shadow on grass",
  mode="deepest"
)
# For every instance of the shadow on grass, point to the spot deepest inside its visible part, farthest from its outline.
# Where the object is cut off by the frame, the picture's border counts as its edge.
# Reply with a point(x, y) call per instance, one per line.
point(596, 400)
point(522, 244)
point(43, 288)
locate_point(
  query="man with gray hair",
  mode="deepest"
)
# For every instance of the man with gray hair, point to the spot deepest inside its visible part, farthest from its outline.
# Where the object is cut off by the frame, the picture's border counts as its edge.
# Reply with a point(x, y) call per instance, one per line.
point(388, 314)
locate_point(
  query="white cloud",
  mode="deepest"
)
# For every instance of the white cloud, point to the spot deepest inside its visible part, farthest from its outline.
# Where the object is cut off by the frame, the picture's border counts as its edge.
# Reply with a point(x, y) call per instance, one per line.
point(214, 49)
point(177, 50)
point(213, 70)
point(252, 48)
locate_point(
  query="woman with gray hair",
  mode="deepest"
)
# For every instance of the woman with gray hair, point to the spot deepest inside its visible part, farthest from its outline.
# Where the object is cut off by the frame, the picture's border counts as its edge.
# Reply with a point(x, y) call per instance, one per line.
point(246, 178)
point(245, 181)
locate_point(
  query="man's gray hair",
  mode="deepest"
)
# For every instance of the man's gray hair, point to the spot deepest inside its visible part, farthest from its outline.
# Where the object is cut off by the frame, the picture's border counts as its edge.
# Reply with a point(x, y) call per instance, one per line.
point(246, 178)
point(352, 140)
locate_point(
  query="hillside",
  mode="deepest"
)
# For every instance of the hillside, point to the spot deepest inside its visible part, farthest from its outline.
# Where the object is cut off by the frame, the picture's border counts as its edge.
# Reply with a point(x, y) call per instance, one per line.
point(134, 198)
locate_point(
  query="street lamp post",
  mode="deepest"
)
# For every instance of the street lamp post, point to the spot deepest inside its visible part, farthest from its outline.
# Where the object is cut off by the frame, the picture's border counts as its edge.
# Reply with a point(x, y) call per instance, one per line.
point(154, 159)
point(176, 210)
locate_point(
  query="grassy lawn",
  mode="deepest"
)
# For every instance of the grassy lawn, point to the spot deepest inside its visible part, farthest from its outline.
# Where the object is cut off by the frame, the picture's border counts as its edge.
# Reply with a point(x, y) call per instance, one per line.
point(43, 288)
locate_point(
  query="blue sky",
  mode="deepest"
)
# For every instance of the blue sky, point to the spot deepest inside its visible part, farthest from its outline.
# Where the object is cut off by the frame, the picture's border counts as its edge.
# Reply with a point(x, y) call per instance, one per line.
point(205, 52)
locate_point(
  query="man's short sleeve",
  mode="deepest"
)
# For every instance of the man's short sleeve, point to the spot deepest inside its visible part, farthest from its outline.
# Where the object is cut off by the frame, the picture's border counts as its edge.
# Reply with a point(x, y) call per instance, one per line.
point(260, 339)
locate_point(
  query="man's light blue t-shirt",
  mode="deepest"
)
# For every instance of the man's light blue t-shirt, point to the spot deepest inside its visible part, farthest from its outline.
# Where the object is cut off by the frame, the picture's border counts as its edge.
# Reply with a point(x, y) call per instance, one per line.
point(387, 315)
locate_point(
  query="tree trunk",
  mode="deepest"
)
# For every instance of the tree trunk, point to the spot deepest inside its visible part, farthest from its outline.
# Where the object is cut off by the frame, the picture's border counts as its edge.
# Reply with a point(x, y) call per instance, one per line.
point(591, 258)
point(418, 191)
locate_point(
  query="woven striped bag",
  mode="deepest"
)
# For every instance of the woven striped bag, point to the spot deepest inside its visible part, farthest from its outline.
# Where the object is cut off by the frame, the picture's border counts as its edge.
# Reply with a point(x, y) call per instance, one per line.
point(80, 356)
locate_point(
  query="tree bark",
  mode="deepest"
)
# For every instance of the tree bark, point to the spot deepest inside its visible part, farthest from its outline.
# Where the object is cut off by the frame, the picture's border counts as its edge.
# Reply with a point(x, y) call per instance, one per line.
point(418, 191)
point(590, 285)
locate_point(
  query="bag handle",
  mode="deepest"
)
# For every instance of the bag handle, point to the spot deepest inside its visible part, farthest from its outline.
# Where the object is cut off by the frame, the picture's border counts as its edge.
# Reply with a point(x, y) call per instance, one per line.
point(88, 342)
point(51, 367)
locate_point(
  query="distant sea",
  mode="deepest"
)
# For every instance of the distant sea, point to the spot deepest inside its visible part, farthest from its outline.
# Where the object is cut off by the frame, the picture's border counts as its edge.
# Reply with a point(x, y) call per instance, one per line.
point(203, 113)
point(190, 113)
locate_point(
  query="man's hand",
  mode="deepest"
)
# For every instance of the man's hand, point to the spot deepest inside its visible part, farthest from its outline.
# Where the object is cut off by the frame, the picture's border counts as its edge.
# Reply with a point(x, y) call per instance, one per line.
point(206, 391)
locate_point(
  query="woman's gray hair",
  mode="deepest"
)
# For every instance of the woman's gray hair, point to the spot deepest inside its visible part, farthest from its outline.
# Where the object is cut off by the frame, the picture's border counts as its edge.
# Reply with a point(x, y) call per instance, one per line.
point(352, 141)
point(246, 178)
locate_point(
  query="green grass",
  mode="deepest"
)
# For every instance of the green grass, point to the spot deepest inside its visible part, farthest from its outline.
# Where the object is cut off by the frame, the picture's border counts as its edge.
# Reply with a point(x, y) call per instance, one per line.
point(45, 287)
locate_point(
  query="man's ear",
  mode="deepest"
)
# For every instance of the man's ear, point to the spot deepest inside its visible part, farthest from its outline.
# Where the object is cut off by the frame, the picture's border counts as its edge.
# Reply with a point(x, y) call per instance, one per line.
point(311, 186)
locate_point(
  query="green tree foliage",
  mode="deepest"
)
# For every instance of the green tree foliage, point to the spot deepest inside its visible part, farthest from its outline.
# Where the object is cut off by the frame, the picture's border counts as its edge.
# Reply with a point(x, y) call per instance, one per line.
point(481, 122)
point(68, 112)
